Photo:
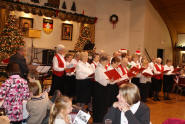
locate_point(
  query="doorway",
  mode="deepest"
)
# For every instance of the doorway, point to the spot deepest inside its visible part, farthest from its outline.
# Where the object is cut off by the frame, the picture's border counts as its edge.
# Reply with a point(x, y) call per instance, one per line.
point(160, 54)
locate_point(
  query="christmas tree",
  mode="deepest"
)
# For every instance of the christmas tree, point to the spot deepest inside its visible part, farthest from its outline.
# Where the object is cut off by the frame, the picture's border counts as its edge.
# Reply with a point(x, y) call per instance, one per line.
point(11, 38)
point(84, 37)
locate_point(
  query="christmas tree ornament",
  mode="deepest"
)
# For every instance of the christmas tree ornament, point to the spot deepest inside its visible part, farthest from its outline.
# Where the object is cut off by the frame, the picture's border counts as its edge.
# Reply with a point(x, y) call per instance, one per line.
point(73, 8)
point(64, 5)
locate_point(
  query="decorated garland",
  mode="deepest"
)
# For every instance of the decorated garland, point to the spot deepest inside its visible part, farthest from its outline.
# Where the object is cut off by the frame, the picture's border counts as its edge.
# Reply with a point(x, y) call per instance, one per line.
point(114, 20)
point(46, 11)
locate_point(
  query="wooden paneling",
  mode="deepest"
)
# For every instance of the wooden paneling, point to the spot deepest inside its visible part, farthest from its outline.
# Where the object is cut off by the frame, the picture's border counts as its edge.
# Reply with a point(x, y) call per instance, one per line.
point(174, 9)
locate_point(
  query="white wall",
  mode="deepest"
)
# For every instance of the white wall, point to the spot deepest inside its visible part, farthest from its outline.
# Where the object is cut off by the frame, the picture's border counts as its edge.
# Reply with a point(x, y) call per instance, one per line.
point(139, 26)
point(107, 38)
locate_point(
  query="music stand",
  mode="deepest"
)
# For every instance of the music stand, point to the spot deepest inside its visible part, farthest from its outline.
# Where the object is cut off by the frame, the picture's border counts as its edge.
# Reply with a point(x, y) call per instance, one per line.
point(33, 33)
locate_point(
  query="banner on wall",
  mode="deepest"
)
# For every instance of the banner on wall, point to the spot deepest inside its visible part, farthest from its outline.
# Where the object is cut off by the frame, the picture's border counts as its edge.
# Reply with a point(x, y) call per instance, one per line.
point(48, 25)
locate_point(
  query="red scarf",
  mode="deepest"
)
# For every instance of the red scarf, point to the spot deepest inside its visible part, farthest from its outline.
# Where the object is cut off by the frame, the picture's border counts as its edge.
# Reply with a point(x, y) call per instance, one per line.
point(159, 76)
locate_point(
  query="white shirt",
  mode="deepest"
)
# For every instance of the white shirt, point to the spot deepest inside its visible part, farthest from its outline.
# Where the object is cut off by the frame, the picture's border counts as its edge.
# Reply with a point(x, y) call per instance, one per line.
point(155, 70)
point(123, 76)
point(74, 61)
point(83, 70)
point(59, 120)
point(55, 63)
point(133, 109)
point(144, 79)
point(137, 65)
point(70, 65)
point(171, 68)
point(94, 65)
point(100, 75)
point(151, 65)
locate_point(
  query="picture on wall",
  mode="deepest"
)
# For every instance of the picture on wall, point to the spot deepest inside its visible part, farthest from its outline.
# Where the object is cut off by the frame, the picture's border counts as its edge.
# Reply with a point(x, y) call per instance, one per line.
point(183, 58)
point(67, 31)
point(25, 24)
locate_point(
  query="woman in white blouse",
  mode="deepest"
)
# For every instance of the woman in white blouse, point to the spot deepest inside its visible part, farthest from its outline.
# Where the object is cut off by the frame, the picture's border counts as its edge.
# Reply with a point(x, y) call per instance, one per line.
point(70, 76)
point(168, 79)
point(99, 100)
point(113, 87)
point(145, 80)
point(83, 83)
point(135, 63)
point(95, 62)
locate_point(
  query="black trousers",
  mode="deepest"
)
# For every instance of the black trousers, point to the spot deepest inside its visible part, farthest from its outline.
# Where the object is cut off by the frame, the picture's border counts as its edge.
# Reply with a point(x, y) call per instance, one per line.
point(135, 81)
point(157, 85)
point(83, 91)
point(167, 83)
point(151, 88)
point(112, 92)
point(57, 84)
point(99, 102)
point(70, 86)
point(144, 91)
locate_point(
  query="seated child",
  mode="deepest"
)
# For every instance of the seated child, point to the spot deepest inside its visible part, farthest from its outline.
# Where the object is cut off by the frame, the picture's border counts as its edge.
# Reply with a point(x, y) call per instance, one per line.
point(60, 111)
point(38, 105)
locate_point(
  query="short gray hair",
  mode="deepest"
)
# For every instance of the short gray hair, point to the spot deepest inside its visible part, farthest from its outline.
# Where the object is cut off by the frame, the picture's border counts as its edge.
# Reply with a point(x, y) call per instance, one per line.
point(60, 47)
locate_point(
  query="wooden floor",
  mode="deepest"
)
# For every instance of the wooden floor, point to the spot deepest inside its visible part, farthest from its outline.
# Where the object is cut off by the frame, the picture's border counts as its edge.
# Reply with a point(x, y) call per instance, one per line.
point(160, 111)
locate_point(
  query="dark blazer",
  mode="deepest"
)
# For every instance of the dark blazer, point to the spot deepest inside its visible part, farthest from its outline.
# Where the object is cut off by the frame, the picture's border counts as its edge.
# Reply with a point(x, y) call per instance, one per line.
point(142, 115)
point(21, 61)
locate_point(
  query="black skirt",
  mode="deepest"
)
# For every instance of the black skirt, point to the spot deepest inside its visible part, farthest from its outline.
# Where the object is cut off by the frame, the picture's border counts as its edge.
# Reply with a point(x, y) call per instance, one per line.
point(83, 91)
point(167, 83)
point(99, 102)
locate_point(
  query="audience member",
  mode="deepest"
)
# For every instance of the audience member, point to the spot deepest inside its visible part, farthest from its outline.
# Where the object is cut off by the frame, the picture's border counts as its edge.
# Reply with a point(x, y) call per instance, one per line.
point(13, 91)
point(38, 105)
point(129, 109)
point(60, 111)
point(21, 61)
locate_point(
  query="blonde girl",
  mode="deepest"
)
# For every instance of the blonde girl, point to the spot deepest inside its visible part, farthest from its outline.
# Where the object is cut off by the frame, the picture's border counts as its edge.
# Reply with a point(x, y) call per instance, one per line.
point(60, 111)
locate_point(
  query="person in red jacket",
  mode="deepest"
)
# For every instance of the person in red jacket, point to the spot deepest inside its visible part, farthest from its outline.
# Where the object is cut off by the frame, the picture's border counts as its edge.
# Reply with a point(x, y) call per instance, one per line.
point(59, 64)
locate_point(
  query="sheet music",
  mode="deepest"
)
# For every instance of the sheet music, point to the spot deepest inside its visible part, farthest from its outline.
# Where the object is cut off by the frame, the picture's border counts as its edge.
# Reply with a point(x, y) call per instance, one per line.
point(81, 118)
point(43, 69)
